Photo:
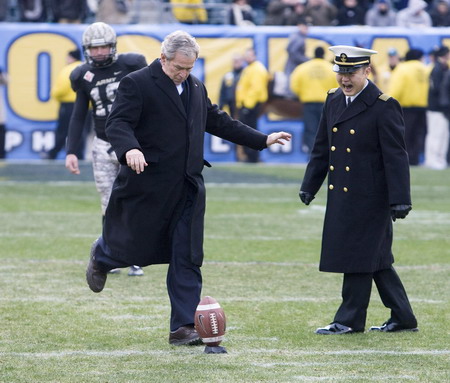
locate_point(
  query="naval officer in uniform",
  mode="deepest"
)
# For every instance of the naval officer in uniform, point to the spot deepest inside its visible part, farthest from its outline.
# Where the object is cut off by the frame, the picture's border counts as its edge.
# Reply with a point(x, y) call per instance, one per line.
point(360, 146)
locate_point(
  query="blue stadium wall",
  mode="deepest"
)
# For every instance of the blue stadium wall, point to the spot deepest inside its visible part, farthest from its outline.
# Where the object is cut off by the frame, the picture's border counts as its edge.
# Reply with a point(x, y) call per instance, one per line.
point(33, 54)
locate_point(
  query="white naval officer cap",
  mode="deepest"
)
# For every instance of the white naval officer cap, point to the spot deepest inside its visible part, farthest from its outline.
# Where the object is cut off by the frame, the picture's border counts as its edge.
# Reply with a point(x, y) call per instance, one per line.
point(348, 59)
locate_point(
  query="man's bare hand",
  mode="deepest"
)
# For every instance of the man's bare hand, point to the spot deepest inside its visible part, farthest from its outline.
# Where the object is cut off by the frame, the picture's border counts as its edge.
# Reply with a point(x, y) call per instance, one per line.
point(72, 164)
point(278, 138)
point(136, 160)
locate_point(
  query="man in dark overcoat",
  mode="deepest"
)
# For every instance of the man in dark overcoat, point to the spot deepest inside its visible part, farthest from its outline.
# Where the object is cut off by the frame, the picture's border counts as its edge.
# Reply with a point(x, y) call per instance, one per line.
point(360, 147)
point(156, 211)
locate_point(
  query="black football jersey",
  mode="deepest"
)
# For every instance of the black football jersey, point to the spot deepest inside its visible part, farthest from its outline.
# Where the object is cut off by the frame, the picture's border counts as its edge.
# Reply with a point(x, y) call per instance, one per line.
point(97, 86)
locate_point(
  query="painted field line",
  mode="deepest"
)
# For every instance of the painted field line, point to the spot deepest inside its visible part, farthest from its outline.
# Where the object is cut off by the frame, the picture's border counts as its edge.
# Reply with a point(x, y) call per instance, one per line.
point(256, 185)
point(274, 200)
point(357, 378)
point(41, 234)
point(14, 265)
point(355, 352)
point(313, 299)
point(434, 267)
point(48, 183)
point(289, 353)
point(40, 213)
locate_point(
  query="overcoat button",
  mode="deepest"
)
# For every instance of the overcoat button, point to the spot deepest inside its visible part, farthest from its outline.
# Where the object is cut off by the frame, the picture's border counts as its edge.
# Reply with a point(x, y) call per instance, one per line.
point(331, 187)
point(333, 148)
point(348, 150)
point(352, 131)
point(331, 167)
point(346, 190)
point(335, 129)
point(347, 168)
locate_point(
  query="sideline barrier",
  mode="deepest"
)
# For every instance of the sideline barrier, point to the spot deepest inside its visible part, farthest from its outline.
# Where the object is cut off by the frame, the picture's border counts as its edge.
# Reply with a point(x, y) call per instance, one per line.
point(33, 54)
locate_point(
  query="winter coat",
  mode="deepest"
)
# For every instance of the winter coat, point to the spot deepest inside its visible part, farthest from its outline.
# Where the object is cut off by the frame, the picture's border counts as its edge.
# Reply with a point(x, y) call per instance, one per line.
point(362, 150)
point(148, 114)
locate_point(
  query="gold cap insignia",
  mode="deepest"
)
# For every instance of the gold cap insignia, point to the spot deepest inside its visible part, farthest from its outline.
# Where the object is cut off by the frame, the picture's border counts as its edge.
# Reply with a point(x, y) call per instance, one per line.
point(343, 57)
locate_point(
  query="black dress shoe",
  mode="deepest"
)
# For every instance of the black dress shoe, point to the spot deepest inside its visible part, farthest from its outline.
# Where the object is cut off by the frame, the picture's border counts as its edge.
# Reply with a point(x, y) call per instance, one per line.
point(185, 335)
point(95, 278)
point(394, 327)
point(336, 329)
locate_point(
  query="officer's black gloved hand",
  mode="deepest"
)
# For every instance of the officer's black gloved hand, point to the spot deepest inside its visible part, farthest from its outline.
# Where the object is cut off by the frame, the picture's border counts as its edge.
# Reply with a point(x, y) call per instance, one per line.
point(400, 211)
point(306, 197)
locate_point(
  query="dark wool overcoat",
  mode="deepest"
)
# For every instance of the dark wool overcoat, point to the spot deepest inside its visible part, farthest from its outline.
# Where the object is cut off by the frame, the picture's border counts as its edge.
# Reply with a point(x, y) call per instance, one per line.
point(362, 150)
point(148, 114)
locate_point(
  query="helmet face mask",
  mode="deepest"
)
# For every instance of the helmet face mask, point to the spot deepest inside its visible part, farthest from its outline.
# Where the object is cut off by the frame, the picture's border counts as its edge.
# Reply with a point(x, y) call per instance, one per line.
point(99, 35)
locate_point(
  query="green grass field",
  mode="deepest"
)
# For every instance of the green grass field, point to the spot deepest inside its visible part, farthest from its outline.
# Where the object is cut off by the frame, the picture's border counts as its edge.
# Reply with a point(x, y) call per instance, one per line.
point(262, 249)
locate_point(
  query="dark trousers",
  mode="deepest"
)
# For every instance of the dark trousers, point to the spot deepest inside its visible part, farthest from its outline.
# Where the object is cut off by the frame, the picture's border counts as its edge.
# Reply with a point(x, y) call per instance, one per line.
point(415, 133)
point(356, 290)
point(250, 118)
point(65, 111)
point(2, 141)
point(311, 117)
point(62, 129)
point(184, 278)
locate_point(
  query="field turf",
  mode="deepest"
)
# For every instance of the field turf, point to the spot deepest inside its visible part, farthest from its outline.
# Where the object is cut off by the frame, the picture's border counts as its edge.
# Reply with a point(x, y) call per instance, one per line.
point(262, 250)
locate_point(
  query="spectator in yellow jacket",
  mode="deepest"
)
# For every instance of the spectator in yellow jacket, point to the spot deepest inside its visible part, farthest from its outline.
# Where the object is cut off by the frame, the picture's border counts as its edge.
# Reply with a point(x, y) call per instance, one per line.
point(310, 82)
point(384, 72)
point(251, 94)
point(193, 13)
point(409, 85)
point(63, 93)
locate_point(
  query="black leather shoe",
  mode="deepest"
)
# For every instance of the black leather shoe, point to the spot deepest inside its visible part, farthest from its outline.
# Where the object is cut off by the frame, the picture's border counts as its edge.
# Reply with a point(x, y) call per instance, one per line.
point(185, 335)
point(394, 327)
point(336, 329)
point(95, 278)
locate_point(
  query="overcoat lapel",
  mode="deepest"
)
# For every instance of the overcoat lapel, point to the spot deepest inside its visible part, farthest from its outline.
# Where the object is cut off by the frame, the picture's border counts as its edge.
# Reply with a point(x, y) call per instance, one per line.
point(167, 86)
point(367, 97)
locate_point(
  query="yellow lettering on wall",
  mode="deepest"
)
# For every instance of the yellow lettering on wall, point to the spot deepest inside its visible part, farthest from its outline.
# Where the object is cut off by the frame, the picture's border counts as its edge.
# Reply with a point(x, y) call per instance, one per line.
point(277, 54)
point(23, 73)
point(147, 46)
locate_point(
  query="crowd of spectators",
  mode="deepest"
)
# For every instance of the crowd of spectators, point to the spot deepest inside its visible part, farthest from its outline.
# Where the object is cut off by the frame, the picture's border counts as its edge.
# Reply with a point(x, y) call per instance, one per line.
point(66, 11)
point(303, 14)
point(379, 13)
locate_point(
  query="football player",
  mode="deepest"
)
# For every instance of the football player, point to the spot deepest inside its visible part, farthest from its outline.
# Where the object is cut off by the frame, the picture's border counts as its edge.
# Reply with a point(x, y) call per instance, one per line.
point(95, 82)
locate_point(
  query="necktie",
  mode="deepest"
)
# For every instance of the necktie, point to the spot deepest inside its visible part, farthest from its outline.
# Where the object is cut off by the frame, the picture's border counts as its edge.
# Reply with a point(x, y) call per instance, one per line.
point(184, 96)
point(349, 101)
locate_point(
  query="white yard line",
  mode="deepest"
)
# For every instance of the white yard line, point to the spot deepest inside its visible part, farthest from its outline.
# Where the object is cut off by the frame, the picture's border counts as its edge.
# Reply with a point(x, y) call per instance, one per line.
point(53, 299)
point(11, 263)
point(357, 378)
point(290, 353)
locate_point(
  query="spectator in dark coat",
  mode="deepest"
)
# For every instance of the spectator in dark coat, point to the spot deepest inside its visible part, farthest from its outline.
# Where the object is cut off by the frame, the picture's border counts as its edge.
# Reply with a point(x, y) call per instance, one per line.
point(296, 48)
point(227, 96)
point(351, 13)
point(33, 11)
point(440, 13)
point(381, 14)
point(436, 141)
point(241, 13)
point(69, 11)
point(285, 12)
point(321, 13)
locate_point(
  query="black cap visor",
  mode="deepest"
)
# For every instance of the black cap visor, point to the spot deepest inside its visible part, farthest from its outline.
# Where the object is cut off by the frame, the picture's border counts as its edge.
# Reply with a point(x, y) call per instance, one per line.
point(347, 68)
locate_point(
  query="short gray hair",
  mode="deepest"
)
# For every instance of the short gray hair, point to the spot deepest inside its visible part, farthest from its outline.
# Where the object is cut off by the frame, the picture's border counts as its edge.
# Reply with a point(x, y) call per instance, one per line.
point(180, 41)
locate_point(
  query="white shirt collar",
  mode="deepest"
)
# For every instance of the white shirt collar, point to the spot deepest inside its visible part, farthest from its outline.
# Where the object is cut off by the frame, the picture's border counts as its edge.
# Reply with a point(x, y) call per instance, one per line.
point(352, 98)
